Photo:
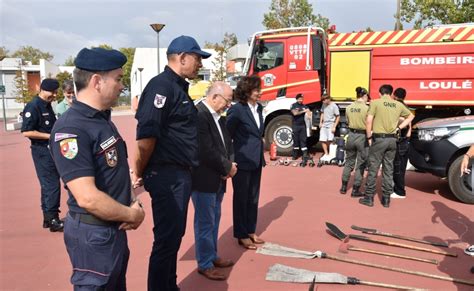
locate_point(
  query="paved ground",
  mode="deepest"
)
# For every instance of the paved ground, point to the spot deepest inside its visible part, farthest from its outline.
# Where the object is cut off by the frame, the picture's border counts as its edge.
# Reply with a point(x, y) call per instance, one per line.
point(294, 205)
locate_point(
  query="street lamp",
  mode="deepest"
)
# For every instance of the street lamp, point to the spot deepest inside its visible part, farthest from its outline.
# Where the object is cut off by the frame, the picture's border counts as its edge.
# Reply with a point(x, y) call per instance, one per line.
point(157, 27)
point(141, 88)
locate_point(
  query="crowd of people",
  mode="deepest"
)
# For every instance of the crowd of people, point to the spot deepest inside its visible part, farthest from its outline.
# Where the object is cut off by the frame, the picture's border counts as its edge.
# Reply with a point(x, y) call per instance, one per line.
point(184, 152)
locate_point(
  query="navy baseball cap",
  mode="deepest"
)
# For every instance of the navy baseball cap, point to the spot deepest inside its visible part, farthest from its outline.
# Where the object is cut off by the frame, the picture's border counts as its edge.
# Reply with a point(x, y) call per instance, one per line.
point(99, 59)
point(49, 85)
point(186, 44)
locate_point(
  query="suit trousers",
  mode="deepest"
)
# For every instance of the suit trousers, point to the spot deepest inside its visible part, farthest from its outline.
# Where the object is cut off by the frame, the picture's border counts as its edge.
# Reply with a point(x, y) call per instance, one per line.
point(246, 186)
point(400, 167)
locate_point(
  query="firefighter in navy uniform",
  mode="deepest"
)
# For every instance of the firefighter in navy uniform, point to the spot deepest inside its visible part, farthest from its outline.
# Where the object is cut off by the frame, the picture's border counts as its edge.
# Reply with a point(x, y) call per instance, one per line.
point(298, 109)
point(38, 120)
point(91, 157)
point(356, 146)
point(382, 131)
point(167, 151)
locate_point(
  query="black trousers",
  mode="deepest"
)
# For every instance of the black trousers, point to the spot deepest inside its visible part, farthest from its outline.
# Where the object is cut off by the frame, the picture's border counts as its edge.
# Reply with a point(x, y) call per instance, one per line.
point(48, 177)
point(246, 186)
point(400, 166)
point(299, 137)
point(170, 191)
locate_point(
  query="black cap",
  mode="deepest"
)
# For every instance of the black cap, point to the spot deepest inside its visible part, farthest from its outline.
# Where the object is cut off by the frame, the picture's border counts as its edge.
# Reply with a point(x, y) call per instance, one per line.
point(186, 44)
point(99, 59)
point(49, 85)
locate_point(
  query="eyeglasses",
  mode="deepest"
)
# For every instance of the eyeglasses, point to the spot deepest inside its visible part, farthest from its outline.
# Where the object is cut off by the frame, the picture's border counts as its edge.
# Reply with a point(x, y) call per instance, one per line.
point(227, 101)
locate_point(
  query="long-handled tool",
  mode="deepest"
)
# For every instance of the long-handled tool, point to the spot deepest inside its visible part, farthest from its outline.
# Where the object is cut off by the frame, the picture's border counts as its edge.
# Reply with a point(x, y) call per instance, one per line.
point(387, 234)
point(344, 248)
point(281, 251)
point(343, 237)
point(282, 273)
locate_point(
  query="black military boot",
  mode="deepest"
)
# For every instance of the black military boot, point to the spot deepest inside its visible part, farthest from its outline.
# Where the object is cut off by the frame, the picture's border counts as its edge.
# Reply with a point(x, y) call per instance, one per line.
point(343, 189)
point(294, 154)
point(356, 192)
point(386, 201)
point(53, 223)
point(304, 162)
point(367, 201)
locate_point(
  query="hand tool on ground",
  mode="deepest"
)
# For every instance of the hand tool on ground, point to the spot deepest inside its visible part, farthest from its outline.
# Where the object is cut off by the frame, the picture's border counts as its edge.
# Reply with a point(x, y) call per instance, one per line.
point(345, 247)
point(311, 286)
point(377, 232)
point(282, 251)
point(343, 237)
point(282, 273)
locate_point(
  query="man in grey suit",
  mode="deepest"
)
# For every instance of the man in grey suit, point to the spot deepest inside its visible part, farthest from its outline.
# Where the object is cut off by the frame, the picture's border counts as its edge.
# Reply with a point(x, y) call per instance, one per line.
point(209, 179)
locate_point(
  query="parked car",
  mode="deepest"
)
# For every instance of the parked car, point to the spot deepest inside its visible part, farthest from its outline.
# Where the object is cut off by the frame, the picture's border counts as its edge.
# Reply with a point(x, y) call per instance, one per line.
point(437, 147)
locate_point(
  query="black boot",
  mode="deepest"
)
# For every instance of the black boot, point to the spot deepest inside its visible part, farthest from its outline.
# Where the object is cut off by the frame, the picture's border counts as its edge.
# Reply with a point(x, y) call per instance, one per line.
point(386, 201)
point(294, 154)
point(343, 189)
point(367, 201)
point(53, 222)
point(356, 192)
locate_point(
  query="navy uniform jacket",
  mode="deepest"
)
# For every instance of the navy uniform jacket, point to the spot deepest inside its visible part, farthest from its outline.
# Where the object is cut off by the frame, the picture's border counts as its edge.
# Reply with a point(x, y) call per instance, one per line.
point(38, 115)
point(298, 120)
point(85, 143)
point(167, 113)
point(246, 136)
point(215, 158)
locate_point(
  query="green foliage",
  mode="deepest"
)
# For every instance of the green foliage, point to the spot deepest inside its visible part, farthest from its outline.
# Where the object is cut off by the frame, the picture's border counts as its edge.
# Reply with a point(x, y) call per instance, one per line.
point(22, 92)
point(426, 13)
point(3, 52)
point(292, 13)
point(61, 77)
point(104, 46)
point(29, 53)
point(230, 39)
point(129, 52)
point(69, 61)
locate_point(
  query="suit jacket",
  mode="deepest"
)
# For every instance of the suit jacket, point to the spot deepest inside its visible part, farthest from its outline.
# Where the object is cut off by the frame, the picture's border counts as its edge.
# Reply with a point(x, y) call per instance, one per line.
point(246, 136)
point(215, 159)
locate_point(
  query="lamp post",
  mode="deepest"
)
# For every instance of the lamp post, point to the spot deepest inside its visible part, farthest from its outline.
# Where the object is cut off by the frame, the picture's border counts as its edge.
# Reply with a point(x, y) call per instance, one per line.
point(141, 88)
point(157, 27)
point(3, 98)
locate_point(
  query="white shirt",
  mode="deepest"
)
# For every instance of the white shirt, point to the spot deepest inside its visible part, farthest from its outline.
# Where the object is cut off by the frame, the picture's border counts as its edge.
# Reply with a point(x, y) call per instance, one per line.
point(253, 109)
point(216, 116)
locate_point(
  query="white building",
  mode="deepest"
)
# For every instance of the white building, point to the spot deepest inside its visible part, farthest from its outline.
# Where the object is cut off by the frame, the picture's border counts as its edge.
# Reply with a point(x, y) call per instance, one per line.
point(33, 75)
point(145, 67)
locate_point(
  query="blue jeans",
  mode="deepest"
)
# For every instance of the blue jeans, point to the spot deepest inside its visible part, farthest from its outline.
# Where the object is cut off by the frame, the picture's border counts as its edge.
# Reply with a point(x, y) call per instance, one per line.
point(207, 215)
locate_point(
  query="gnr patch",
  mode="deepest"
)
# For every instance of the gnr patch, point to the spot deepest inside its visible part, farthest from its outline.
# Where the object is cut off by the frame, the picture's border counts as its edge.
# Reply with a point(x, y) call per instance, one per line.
point(111, 157)
point(69, 148)
point(159, 101)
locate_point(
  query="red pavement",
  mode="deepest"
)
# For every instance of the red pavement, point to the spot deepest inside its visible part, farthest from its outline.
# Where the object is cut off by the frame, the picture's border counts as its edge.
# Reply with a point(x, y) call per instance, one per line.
point(294, 204)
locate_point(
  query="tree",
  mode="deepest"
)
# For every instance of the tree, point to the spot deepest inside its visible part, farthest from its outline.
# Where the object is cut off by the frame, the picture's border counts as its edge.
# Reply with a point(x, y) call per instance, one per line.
point(129, 52)
point(427, 13)
point(230, 39)
point(31, 54)
point(69, 61)
point(3, 52)
point(61, 77)
point(22, 92)
point(104, 46)
point(292, 13)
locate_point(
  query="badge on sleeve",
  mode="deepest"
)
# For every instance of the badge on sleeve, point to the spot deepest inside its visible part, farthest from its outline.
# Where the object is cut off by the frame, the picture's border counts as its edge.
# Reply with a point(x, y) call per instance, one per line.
point(111, 157)
point(69, 148)
point(159, 101)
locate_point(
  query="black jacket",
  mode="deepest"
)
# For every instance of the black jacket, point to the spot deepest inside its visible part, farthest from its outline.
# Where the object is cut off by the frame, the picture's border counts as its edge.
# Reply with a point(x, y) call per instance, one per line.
point(215, 160)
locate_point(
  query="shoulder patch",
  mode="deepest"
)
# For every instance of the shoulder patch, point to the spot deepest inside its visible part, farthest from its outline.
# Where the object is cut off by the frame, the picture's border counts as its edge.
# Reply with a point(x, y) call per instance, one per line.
point(69, 148)
point(111, 156)
point(60, 136)
point(159, 101)
point(28, 114)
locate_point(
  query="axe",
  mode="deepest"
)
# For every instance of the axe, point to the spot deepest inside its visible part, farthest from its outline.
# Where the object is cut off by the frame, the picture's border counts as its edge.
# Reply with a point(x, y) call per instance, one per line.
point(377, 232)
point(344, 248)
point(334, 230)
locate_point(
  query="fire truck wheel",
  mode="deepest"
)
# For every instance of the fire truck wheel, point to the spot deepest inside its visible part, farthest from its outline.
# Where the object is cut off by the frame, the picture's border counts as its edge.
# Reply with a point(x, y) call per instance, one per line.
point(460, 186)
point(279, 130)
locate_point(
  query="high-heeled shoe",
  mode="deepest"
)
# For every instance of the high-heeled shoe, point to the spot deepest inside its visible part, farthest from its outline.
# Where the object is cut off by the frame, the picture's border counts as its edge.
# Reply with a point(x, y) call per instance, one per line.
point(256, 240)
point(247, 245)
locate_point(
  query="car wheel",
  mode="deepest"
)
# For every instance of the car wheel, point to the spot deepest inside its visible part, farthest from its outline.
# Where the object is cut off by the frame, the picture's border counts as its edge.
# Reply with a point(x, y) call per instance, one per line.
point(279, 130)
point(460, 186)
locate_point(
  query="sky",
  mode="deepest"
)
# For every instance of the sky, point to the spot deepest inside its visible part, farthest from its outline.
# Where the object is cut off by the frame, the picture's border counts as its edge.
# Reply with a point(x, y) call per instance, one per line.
point(63, 27)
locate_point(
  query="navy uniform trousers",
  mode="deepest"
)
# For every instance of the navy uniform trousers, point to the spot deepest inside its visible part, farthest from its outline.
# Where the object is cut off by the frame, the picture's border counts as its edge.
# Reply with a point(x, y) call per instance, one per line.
point(99, 255)
point(170, 190)
point(49, 180)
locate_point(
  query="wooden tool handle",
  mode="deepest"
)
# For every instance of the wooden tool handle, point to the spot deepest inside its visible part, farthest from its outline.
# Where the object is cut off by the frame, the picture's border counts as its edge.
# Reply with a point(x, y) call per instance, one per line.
point(383, 285)
point(431, 261)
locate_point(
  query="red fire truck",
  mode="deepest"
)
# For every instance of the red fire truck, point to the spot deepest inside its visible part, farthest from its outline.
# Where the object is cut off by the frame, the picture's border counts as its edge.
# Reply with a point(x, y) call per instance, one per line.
point(435, 65)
